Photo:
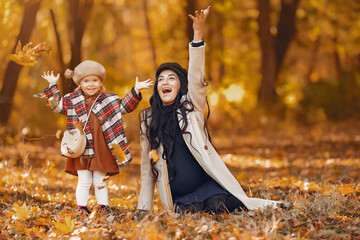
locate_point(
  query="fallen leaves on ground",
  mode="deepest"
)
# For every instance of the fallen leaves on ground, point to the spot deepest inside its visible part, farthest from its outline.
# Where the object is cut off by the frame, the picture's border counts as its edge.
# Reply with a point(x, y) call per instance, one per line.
point(22, 212)
point(67, 226)
point(317, 173)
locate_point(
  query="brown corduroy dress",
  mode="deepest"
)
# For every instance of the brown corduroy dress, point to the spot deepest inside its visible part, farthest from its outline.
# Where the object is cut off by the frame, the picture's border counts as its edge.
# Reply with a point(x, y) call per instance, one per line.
point(103, 160)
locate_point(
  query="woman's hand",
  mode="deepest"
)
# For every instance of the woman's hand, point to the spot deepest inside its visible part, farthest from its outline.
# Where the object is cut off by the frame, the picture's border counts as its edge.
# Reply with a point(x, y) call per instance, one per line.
point(198, 23)
point(142, 85)
point(50, 77)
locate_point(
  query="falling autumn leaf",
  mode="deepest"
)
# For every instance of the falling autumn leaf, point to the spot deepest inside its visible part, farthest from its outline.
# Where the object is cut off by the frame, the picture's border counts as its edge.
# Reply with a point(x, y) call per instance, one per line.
point(67, 226)
point(21, 213)
point(154, 155)
point(118, 152)
point(27, 55)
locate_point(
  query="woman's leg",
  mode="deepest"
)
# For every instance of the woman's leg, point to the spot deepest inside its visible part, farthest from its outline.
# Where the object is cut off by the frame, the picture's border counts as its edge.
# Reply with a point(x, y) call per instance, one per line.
point(101, 192)
point(221, 203)
point(83, 187)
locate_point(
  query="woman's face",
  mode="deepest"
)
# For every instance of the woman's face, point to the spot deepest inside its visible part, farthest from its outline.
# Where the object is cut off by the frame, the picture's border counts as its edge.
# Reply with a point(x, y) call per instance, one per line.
point(91, 85)
point(168, 86)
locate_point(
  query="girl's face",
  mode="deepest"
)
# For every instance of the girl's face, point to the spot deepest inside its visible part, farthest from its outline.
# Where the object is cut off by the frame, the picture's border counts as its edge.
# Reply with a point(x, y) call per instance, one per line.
point(91, 85)
point(168, 86)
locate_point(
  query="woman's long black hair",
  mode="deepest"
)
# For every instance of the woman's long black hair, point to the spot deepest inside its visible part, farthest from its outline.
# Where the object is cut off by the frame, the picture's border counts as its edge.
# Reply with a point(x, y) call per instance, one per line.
point(161, 127)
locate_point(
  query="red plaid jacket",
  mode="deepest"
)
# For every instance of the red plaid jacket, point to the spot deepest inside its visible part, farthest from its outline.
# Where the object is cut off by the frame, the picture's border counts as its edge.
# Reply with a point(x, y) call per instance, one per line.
point(108, 109)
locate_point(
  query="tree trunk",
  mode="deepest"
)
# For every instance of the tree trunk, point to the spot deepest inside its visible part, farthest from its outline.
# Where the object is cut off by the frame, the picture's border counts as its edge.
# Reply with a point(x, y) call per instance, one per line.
point(59, 47)
point(13, 70)
point(150, 37)
point(286, 30)
point(190, 9)
point(267, 91)
point(79, 16)
point(273, 50)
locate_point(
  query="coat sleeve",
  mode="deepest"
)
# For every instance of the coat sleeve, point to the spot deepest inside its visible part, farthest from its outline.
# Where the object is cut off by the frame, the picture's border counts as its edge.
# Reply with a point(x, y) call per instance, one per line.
point(130, 102)
point(145, 199)
point(55, 101)
point(196, 77)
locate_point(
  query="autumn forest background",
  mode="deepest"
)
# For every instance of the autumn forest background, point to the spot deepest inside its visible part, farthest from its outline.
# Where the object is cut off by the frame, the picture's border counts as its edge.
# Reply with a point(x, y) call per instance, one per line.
point(284, 97)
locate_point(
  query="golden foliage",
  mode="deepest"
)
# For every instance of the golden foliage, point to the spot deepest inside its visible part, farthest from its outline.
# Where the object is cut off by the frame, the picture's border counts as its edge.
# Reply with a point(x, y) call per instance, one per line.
point(48, 167)
point(67, 226)
point(264, 167)
point(22, 213)
point(27, 55)
point(346, 189)
point(118, 152)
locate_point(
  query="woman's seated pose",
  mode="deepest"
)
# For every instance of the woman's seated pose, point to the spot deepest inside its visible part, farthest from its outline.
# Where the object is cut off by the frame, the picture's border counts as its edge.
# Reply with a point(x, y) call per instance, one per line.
point(177, 154)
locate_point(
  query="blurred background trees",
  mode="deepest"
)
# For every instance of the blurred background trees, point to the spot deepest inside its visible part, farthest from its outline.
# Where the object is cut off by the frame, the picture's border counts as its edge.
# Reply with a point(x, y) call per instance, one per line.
point(295, 59)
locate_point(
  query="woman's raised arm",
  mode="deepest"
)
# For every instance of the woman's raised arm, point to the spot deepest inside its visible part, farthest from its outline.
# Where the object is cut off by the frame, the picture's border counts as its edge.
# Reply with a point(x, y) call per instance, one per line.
point(196, 71)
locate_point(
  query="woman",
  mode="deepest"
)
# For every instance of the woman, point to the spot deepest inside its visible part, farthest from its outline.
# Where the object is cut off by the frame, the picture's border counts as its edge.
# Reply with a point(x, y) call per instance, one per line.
point(189, 173)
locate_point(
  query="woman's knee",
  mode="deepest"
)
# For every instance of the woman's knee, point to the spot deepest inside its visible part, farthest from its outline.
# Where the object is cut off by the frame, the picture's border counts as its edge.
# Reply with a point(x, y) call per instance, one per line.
point(216, 204)
point(223, 203)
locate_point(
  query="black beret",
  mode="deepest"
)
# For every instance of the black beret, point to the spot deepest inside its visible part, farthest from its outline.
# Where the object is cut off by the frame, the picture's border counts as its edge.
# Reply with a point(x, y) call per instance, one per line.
point(181, 72)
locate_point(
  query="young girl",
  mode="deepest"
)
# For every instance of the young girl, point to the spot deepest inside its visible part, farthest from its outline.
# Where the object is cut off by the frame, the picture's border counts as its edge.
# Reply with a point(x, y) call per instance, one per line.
point(104, 128)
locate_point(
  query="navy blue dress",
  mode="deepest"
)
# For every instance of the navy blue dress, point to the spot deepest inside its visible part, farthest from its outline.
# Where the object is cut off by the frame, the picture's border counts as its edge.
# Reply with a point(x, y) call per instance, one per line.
point(189, 182)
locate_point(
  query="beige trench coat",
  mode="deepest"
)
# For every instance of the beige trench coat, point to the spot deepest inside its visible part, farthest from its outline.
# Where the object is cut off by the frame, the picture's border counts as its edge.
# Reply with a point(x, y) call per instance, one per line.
point(199, 146)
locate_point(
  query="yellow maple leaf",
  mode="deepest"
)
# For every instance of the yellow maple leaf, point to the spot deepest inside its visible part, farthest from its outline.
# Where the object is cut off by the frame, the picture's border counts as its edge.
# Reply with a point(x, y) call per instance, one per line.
point(118, 152)
point(21, 213)
point(27, 55)
point(67, 226)
point(154, 155)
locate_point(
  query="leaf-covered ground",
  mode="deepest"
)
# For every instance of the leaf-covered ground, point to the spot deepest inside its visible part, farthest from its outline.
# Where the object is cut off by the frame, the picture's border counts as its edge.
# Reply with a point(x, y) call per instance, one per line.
point(316, 169)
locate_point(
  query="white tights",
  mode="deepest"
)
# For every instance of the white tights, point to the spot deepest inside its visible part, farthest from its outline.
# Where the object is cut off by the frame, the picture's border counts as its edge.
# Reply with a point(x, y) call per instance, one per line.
point(85, 179)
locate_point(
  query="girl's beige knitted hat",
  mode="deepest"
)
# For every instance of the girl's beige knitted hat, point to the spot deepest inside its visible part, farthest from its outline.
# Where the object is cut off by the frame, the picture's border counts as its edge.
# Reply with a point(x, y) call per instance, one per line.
point(84, 69)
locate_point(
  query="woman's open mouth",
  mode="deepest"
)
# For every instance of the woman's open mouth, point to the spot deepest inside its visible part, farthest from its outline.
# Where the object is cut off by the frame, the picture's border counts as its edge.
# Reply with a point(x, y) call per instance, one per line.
point(166, 90)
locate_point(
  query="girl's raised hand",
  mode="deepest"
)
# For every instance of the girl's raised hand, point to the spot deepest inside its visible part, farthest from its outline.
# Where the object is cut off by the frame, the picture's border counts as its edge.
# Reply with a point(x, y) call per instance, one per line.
point(50, 77)
point(198, 22)
point(142, 85)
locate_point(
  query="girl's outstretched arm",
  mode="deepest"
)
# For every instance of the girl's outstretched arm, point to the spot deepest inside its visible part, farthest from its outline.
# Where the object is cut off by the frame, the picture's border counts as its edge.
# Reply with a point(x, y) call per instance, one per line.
point(52, 93)
point(51, 78)
point(142, 85)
